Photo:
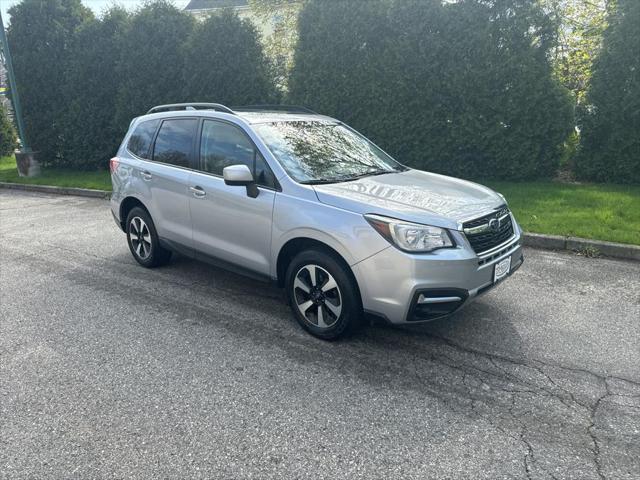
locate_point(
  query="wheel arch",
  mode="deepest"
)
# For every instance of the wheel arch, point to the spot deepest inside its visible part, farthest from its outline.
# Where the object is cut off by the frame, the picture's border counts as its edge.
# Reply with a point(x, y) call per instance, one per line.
point(128, 204)
point(298, 244)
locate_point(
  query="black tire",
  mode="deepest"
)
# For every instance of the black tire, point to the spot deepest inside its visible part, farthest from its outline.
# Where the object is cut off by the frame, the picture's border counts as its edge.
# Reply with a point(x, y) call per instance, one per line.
point(145, 248)
point(345, 297)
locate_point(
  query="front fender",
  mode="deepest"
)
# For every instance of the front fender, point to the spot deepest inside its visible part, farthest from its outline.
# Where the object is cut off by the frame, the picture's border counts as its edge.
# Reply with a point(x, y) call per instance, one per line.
point(346, 232)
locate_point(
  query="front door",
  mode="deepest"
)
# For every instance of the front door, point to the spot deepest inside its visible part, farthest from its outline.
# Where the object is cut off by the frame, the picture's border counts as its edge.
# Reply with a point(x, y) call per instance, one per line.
point(227, 223)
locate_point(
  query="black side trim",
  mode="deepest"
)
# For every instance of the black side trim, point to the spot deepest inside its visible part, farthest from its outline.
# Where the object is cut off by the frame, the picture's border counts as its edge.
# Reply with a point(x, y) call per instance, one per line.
point(376, 318)
point(118, 222)
point(177, 247)
point(214, 261)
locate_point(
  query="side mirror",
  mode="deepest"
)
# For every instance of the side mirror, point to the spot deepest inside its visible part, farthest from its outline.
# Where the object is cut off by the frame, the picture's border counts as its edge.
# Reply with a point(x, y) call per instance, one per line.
point(240, 176)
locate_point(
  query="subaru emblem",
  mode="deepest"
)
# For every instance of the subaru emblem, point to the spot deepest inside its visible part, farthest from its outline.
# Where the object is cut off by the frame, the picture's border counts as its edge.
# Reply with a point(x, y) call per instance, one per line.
point(494, 224)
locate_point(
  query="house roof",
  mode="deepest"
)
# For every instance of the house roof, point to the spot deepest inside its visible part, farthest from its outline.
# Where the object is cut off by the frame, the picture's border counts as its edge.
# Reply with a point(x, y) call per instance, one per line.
point(213, 4)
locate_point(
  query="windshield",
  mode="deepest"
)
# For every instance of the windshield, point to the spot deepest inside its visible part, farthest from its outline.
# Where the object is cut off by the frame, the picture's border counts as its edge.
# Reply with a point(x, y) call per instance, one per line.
point(324, 152)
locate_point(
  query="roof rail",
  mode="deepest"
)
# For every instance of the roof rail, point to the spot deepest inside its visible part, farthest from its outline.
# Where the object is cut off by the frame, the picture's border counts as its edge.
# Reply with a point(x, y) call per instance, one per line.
point(275, 108)
point(190, 106)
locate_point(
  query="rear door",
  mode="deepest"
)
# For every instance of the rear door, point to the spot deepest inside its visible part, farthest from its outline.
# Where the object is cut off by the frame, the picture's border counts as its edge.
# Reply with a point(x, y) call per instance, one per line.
point(167, 175)
point(227, 223)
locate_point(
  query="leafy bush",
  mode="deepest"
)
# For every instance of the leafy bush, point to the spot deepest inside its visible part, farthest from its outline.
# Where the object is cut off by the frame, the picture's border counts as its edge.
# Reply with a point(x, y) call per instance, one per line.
point(459, 88)
point(225, 63)
point(39, 37)
point(610, 149)
point(91, 134)
point(8, 139)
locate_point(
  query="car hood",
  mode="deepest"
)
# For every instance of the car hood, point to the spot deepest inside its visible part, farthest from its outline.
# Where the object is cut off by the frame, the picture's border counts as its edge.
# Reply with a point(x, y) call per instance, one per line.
point(414, 196)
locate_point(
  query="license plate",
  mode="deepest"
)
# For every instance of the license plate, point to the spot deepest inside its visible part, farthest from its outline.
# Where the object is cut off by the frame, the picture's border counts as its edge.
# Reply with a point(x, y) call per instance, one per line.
point(501, 269)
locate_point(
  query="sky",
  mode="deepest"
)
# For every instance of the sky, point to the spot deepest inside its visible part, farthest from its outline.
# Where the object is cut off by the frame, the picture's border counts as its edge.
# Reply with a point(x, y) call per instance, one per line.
point(96, 5)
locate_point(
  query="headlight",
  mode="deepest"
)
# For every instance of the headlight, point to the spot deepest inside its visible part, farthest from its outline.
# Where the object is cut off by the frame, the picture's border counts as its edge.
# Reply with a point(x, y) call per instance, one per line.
point(410, 237)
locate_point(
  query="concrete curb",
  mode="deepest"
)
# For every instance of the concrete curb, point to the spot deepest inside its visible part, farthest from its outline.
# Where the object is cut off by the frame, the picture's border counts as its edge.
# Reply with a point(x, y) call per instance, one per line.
point(534, 240)
point(574, 244)
point(80, 192)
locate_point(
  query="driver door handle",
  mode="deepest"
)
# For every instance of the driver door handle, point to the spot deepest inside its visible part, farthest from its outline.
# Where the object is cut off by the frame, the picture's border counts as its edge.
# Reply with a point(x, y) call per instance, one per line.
point(146, 175)
point(197, 191)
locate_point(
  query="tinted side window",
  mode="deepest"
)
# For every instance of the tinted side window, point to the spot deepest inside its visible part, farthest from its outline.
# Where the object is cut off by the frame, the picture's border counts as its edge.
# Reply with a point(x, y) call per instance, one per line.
point(174, 142)
point(140, 140)
point(223, 145)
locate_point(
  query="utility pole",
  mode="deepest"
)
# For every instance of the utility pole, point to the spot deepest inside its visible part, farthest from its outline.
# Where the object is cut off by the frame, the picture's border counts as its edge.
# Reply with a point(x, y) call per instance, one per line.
point(15, 97)
point(25, 158)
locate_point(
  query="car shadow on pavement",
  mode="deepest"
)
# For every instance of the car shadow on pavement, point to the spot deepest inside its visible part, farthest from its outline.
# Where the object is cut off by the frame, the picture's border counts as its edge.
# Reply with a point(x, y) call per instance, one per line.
point(481, 322)
point(474, 335)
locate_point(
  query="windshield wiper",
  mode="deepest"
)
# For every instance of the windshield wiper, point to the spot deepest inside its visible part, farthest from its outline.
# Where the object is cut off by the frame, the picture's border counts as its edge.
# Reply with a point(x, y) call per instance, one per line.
point(376, 172)
point(322, 181)
point(373, 173)
point(350, 178)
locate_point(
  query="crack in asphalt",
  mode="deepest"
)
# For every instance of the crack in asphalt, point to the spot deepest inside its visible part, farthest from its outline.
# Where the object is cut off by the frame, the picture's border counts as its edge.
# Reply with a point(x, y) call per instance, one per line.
point(566, 397)
point(529, 458)
point(475, 351)
point(594, 438)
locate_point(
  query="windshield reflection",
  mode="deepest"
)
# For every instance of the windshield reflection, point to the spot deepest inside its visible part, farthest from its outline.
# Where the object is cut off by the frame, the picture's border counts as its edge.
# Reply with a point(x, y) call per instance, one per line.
point(324, 152)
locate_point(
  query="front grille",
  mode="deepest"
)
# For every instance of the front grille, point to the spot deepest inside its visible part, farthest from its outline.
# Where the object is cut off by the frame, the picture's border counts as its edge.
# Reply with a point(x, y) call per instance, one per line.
point(497, 254)
point(482, 238)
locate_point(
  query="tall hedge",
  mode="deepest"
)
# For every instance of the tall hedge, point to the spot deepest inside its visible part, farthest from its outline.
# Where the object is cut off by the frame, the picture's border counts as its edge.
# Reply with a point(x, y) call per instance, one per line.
point(151, 68)
point(8, 140)
point(225, 63)
point(90, 132)
point(39, 36)
point(460, 88)
point(610, 149)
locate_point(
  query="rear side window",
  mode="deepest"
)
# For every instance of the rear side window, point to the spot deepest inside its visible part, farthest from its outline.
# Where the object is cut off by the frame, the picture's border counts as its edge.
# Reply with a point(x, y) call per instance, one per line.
point(175, 141)
point(141, 139)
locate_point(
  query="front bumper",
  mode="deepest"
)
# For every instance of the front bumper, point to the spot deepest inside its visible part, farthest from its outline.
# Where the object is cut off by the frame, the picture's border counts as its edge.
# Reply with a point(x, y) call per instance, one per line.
point(408, 288)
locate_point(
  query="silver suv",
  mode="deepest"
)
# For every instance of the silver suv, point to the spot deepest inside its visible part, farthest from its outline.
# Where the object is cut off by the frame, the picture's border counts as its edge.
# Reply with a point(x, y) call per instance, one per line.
point(298, 198)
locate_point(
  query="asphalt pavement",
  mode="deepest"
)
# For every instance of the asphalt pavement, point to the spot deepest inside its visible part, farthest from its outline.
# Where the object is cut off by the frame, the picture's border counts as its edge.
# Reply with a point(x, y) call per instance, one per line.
point(109, 370)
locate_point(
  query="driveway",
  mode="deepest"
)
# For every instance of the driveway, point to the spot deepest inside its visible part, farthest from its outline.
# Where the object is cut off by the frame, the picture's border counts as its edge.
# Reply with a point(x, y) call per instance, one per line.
point(108, 370)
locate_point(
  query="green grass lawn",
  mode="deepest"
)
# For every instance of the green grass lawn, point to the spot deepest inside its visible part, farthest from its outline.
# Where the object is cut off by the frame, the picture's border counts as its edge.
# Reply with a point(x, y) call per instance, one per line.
point(601, 212)
point(56, 177)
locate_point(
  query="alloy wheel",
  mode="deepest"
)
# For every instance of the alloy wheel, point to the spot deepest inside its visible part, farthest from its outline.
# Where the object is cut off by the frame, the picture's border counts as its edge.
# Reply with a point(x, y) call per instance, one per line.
point(140, 237)
point(317, 296)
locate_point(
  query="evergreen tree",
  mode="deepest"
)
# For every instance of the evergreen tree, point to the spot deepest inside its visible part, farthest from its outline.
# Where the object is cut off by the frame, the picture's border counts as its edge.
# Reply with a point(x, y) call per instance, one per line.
point(610, 149)
point(227, 64)
point(39, 36)
point(91, 134)
point(461, 88)
point(152, 67)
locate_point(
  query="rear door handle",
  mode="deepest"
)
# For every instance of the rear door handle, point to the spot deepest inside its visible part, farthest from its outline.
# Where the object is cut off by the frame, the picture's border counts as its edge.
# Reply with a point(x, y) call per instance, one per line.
point(146, 175)
point(197, 191)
